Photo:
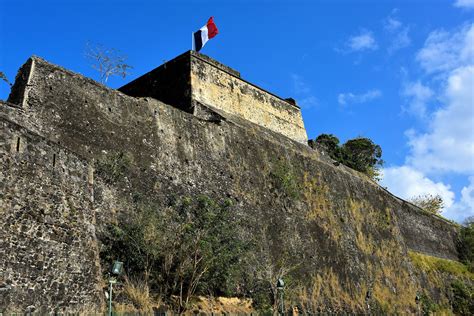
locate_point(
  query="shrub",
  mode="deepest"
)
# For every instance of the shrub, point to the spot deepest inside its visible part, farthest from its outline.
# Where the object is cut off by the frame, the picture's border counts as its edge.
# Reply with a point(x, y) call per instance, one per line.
point(430, 203)
point(114, 166)
point(466, 245)
point(138, 292)
point(360, 153)
point(285, 180)
point(191, 246)
point(463, 298)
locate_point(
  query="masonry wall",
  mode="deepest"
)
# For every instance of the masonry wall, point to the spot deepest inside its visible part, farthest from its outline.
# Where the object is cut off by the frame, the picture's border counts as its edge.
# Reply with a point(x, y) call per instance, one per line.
point(48, 246)
point(345, 232)
point(225, 91)
point(169, 83)
point(193, 80)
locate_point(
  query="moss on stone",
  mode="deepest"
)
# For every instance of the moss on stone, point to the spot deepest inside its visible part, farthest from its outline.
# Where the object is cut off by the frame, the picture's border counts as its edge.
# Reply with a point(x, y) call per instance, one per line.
point(430, 264)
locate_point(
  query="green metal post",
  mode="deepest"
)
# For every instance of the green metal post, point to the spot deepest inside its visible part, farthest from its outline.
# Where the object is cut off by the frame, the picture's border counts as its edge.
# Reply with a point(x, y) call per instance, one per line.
point(110, 297)
point(282, 303)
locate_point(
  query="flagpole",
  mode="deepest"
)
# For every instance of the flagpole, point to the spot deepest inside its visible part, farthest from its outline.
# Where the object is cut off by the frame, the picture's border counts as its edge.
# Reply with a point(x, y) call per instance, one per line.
point(192, 41)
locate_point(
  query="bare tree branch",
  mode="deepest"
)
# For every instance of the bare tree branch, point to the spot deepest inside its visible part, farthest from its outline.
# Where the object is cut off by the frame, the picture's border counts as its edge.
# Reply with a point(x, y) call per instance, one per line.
point(107, 61)
point(4, 78)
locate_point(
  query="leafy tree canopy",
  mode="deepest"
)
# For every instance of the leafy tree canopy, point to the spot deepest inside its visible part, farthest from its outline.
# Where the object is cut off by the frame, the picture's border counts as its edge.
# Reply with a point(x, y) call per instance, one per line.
point(466, 245)
point(428, 202)
point(360, 153)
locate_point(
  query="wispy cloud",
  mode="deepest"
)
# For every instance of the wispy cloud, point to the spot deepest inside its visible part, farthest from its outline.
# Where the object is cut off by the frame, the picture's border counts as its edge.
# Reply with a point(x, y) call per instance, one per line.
point(302, 91)
point(309, 102)
point(444, 51)
point(391, 23)
point(418, 96)
point(407, 182)
point(448, 144)
point(363, 41)
point(351, 98)
point(398, 32)
point(299, 85)
point(466, 4)
point(445, 146)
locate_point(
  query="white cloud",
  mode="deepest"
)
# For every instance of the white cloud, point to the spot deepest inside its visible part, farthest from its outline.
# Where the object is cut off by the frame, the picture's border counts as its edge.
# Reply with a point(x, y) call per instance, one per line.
point(468, 4)
point(407, 182)
point(418, 95)
point(448, 145)
point(392, 24)
point(397, 32)
point(364, 41)
point(299, 85)
point(400, 40)
point(444, 51)
point(305, 98)
point(349, 97)
point(465, 206)
point(308, 102)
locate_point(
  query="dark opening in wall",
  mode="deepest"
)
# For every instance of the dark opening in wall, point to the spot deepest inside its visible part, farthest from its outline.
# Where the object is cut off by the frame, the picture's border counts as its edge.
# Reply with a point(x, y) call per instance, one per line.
point(54, 160)
point(18, 144)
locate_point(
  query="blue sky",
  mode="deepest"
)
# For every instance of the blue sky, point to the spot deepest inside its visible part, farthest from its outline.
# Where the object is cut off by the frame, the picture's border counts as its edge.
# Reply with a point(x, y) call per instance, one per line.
point(398, 72)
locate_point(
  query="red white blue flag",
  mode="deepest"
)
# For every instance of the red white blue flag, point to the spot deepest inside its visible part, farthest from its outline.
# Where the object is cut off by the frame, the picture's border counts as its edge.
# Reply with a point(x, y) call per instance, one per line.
point(204, 34)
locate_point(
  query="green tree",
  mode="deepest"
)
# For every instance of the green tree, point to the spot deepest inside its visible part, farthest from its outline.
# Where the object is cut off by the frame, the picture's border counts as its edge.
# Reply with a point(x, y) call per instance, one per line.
point(330, 144)
point(363, 155)
point(466, 245)
point(190, 246)
point(360, 153)
point(428, 202)
point(462, 299)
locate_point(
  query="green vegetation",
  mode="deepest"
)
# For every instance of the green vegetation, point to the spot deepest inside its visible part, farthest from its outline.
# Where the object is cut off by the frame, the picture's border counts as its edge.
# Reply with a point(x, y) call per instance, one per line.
point(466, 245)
point(430, 203)
point(451, 279)
point(360, 153)
point(285, 180)
point(433, 264)
point(427, 305)
point(462, 299)
point(187, 248)
point(114, 167)
point(330, 144)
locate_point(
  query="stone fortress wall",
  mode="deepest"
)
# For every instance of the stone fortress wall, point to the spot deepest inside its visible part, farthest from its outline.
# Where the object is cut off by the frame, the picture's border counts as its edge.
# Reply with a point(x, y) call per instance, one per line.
point(48, 245)
point(224, 90)
point(193, 80)
point(54, 204)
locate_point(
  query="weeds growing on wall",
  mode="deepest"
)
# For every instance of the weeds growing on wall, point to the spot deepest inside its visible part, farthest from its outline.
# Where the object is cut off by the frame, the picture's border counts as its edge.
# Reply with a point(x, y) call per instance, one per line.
point(114, 167)
point(462, 299)
point(284, 179)
point(452, 279)
point(189, 247)
point(466, 245)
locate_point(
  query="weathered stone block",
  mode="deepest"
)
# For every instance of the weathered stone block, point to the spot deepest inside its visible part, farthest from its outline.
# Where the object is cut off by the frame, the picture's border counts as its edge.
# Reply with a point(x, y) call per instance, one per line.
point(194, 79)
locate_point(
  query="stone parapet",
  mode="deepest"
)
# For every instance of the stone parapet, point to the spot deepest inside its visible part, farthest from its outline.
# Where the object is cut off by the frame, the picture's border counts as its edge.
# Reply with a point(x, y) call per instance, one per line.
point(193, 78)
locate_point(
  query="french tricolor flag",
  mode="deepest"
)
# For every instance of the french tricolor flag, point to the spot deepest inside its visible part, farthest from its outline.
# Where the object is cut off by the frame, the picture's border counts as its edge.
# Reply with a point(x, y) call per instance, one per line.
point(204, 34)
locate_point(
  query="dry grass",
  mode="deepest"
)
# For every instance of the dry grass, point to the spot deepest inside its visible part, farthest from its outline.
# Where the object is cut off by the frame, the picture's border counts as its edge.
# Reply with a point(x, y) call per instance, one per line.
point(220, 306)
point(316, 194)
point(326, 290)
point(433, 265)
point(138, 293)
